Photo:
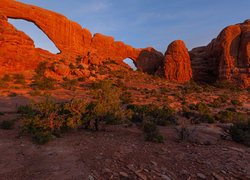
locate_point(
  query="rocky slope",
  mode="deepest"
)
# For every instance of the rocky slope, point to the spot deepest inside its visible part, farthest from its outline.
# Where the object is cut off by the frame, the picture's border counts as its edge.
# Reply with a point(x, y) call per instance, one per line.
point(226, 58)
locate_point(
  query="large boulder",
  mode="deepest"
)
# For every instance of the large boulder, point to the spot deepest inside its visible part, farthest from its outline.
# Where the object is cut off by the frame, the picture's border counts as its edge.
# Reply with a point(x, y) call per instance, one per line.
point(226, 58)
point(177, 65)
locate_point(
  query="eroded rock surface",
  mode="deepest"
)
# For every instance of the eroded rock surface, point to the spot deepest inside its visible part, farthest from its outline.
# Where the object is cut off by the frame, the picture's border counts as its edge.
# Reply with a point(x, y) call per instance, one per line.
point(177, 65)
point(71, 39)
point(226, 58)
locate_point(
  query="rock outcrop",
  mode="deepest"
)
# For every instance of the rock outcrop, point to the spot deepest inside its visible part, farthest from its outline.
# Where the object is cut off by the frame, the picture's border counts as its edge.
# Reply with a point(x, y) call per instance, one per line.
point(72, 40)
point(177, 65)
point(17, 50)
point(226, 58)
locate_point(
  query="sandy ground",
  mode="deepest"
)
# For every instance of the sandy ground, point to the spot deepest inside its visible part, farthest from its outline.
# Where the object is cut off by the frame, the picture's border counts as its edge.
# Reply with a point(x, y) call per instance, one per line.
point(120, 153)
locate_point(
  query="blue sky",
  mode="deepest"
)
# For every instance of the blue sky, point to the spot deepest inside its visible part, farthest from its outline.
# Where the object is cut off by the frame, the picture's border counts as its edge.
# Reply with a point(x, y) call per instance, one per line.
point(143, 23)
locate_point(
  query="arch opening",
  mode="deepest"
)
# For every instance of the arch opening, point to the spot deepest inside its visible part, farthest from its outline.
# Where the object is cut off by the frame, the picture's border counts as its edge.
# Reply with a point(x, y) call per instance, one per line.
point(41, 40)
point(130, 63)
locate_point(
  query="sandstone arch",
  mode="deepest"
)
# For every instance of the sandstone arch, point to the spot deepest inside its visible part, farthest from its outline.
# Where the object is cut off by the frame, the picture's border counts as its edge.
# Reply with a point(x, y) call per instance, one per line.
point(72, 40)
point(41, 40)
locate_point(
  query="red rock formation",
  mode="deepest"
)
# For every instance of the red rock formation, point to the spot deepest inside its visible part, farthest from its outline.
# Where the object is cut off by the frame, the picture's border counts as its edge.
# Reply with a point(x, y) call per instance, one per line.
point(73, 41)
point(177, 65)
point(17, 50)
point(226, 58)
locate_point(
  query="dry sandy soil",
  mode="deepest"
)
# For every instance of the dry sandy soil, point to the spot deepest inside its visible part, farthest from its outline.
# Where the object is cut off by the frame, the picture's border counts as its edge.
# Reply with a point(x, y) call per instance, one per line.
point(121, 153)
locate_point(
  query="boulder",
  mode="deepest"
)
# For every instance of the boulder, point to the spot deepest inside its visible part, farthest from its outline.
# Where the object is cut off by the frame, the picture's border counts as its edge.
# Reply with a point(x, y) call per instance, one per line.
point(177, 65)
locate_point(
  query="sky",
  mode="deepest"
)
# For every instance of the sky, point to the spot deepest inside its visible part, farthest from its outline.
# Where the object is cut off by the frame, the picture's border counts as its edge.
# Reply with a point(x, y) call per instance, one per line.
point(143, 23)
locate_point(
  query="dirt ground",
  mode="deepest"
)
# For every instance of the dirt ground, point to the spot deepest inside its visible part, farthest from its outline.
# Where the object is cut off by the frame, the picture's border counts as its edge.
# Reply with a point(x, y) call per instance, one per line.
point(120, 152)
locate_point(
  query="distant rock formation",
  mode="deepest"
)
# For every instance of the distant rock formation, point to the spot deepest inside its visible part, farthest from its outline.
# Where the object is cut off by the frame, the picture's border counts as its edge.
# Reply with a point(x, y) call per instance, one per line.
point(71, 39)
point(177, 65)
point(226, 58)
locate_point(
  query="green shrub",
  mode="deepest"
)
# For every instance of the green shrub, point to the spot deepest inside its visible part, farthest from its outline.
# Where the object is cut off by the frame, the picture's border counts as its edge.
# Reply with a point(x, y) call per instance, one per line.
point(19, 79)
point(44, 83)
point(7, 125)
point(192, 87)
point(40, 80)
point(12, 94)
point(207, 118)
point(151, 132)
point(159, 115)
point(72, 66)
point(230, 116)
point(240, 132)
point(35, 92)
point(70, 84)
point(78, 59)
point(6, 78)
point(236, 102)
point(218, 102)
point(41, 137)
point(107, 106)
point(126, 97)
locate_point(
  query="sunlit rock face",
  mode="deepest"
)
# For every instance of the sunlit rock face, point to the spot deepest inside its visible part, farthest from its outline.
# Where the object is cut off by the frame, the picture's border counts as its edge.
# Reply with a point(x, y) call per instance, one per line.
point(226, 58)
point(177, 65)
point(69, 37)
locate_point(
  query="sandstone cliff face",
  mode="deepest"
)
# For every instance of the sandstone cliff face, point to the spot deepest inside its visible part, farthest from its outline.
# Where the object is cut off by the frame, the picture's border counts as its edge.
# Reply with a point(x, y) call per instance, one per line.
point(17, 50)
point(177, 65)
point(226, 58)
point(73, 41)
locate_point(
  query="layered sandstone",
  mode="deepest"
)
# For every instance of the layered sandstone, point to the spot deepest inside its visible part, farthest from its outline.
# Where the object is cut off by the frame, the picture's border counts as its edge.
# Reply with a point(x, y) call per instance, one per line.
point(226, 58)
point(73, 41)
point(177, 65)
point(17, 50)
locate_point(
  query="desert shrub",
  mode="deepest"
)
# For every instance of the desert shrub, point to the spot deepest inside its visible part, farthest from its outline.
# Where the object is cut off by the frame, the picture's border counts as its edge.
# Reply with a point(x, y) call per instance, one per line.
point(78, 59)
point(81, 79)
point(218, 102)
point(70, 84)
point(207, 118)
point(126, 97)
point(40, 80)
point(4, 81)
point(240, 132)
point(236, 102)
point(227, 85)
point(199, 113)
point(7, 125)
point(47, 119)
point(44, 83)
point(74, 112)
point(6, 78)
point(1, 114)
point(72, 66)
point(12, 94)
point(230, 116)
point(35, 92)
point(184, 131)
point(107, 106)
point(19, 79)
point(159, 115)
point(192, 87)
point(202, 108)
point(151, 132)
